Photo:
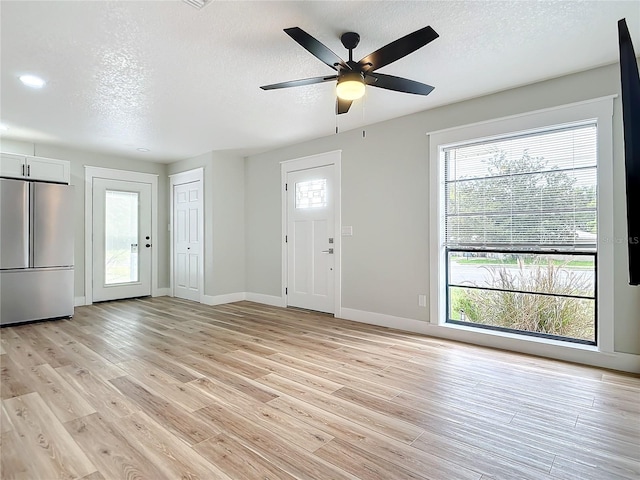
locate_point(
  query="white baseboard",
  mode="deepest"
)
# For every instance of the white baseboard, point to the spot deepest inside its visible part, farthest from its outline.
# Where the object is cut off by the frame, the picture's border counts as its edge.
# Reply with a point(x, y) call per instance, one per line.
point(79, 301)
point(584, 354)
point(266, 299)
point(226, 298)
point(383, 320)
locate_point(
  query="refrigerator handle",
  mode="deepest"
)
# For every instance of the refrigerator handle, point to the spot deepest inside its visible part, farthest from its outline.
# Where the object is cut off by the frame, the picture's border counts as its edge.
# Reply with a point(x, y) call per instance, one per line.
point(32, 223)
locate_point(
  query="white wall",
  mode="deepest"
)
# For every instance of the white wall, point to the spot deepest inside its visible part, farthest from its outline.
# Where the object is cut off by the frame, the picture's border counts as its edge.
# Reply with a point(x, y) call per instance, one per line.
point(224, 236)
point(224, 210)
point(385, 180)
point(385, 197)
point(79, 159)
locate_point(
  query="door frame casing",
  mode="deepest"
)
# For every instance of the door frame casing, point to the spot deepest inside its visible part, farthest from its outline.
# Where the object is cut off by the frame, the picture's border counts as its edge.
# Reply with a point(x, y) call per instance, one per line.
point(123, 175)
point(305, 163)
point(189, 176)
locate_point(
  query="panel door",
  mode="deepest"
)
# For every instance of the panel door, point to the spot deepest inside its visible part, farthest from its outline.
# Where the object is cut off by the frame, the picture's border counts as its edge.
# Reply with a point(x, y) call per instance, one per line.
point(310, 237)
point(187, 238)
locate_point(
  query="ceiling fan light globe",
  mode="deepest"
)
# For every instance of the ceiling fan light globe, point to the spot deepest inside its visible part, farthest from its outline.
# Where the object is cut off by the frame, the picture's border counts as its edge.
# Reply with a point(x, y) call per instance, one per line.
point(351, 86)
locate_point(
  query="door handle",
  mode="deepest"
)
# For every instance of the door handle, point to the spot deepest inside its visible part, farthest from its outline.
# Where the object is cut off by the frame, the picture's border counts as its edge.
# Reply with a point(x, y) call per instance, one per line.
point(328, 251)
point(148, 245)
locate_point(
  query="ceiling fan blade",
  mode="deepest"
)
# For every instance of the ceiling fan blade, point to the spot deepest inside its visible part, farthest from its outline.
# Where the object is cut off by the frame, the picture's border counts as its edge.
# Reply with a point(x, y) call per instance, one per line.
point(398, 84)
point(298, 83)
point(398, 49)
point(316, 48)
point(342, 106)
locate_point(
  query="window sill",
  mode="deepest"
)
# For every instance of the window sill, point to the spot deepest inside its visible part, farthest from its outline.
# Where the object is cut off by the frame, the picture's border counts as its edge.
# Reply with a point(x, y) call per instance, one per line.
point(547, 342)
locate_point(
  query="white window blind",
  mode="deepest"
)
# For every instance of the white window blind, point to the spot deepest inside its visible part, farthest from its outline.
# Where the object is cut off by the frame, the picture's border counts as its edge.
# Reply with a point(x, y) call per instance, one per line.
point(528, 191)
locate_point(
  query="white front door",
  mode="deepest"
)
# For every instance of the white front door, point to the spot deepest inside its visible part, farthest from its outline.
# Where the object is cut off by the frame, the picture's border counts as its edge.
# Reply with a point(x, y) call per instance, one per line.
point(311, 239)
point(121, 239)
point(187, 240)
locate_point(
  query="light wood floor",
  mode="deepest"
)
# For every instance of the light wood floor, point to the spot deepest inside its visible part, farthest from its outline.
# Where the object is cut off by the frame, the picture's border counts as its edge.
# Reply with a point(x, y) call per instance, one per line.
point(163, 388)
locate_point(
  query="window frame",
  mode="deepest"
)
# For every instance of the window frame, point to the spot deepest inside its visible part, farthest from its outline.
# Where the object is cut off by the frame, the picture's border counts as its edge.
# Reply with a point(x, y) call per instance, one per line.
point(599, 110)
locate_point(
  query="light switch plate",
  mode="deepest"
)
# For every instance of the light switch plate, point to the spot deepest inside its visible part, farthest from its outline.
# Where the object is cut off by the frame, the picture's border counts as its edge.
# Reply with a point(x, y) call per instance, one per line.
point(347, 231)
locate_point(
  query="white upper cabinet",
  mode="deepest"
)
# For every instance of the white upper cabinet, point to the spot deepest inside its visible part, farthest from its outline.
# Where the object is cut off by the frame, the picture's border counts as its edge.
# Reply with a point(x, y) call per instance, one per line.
point(48, 169)
point(34, 168)
point(12, 165)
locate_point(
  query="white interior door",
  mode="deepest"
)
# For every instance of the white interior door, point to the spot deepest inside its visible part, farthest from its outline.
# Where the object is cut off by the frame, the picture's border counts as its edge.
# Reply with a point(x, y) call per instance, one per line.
point(121, 239)
point(310, 239)
point(187, 240)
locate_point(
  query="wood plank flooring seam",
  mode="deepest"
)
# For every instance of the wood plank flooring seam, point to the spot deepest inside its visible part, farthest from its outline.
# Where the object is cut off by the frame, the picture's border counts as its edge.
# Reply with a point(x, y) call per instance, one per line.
point(168, 388)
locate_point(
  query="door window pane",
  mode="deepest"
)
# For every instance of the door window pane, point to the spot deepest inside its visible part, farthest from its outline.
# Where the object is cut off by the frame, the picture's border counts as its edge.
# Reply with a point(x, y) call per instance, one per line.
point(311, 194)
point(121, 237)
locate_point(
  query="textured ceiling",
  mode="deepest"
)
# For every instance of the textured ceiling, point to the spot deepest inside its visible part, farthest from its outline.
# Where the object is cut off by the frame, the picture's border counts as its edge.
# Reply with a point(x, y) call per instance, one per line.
point(179, 81)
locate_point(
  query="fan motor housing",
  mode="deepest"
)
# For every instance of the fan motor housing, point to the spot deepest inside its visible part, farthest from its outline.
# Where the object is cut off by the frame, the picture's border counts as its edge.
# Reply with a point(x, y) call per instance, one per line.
point(350, 40)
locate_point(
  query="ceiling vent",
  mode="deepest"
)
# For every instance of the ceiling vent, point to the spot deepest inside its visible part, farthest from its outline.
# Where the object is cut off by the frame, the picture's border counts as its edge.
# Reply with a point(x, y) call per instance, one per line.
point(197, 4)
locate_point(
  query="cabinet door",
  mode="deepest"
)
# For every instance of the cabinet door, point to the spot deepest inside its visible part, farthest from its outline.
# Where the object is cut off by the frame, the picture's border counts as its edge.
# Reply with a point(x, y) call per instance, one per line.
point(48, 169)
point(12, 165)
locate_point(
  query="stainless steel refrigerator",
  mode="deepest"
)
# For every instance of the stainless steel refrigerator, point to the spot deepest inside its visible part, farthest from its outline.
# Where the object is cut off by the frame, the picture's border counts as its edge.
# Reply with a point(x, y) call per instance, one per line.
point(36, 251)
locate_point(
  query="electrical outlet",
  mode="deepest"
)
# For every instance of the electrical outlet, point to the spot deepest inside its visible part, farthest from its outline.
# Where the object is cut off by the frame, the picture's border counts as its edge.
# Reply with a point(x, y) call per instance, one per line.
point(422, 300)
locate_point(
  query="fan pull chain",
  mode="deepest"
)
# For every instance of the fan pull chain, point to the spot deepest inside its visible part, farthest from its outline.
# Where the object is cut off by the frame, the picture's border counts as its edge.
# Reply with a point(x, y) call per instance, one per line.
point(364, 132)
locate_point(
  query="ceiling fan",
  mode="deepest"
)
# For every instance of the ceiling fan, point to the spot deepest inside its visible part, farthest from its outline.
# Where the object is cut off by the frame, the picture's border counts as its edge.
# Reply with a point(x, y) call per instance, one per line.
point(353, 76)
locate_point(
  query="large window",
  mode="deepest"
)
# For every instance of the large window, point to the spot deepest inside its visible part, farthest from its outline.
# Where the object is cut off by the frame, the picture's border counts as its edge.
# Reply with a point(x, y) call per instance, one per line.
point(520, 232)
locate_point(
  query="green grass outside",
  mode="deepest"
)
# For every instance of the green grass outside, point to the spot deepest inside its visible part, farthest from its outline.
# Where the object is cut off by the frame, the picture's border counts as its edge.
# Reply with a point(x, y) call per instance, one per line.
point(456, 298)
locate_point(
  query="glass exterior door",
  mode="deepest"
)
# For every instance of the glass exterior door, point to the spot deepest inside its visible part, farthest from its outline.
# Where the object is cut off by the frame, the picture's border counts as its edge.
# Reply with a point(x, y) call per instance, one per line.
point(121, 239)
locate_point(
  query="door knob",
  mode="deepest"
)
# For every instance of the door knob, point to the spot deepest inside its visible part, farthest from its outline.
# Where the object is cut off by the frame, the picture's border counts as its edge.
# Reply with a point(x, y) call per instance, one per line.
point(148, 245)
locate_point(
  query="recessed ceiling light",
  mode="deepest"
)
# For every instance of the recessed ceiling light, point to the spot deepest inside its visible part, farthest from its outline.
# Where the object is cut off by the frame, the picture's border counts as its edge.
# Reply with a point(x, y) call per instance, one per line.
point(143, 150)
point(32, 81)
